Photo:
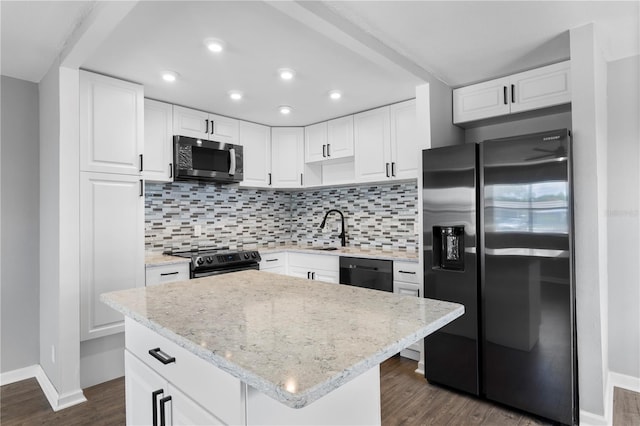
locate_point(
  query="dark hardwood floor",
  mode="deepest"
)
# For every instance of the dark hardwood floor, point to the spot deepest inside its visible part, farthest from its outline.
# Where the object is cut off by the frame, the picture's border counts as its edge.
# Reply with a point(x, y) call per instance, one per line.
point(407, 399)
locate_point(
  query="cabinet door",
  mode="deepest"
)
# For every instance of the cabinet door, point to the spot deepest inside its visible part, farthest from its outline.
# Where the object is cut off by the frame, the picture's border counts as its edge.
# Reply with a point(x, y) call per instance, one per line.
point(158, 141)
point(111, 246)
point(185, 412)
point(140, 384)
point(541, 87)
point(191, 123)
point(256, 140)
point(340, 137)
point(372, 145)
point(223, 129)
point(404, 140)
point(315, 142)
point(483, 100)
point(326, 276)
point(287, 157)
point(111, 125)
point(299, 272)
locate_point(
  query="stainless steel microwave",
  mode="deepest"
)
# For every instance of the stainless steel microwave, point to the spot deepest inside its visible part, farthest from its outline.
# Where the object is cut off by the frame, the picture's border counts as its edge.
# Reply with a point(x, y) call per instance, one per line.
point(202, 159)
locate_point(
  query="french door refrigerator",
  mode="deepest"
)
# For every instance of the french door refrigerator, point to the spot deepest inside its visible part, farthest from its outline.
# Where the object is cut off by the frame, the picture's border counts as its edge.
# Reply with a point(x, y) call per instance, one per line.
point(498, 225)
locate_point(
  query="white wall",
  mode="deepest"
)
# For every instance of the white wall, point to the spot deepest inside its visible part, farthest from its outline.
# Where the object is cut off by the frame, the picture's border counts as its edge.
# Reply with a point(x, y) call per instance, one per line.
point(20, 270)
point(622, 214)
point(589, 119)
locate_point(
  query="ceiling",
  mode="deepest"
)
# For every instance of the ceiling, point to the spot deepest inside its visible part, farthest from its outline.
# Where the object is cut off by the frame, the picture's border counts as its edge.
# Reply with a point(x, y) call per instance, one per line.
point(375, 52)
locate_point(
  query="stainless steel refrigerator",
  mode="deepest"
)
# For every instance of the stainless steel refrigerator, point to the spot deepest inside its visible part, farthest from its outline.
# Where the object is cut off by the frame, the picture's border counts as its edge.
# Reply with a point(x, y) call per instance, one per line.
point(498, 238)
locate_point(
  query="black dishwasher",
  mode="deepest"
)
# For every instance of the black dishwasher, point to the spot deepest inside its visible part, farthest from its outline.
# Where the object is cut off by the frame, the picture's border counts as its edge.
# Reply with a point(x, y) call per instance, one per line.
point(368, 273)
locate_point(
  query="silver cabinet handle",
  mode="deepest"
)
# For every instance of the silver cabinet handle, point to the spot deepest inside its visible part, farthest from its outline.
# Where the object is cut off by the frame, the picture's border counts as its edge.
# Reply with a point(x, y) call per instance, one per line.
point(328, 152)
point(387, 167)
point(324, 151)
point(170, 170)
point(206, 126)
point(232, 161)
point(393, 169)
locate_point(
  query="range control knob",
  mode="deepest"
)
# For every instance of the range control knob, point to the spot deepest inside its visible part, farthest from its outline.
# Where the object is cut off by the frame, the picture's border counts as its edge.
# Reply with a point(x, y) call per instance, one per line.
point(246, 255)
point(199, 261)
point(209, 259)
point(254, 254)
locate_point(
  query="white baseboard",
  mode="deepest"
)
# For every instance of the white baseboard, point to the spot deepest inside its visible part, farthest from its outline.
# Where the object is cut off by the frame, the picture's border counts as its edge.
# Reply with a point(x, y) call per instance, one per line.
point(590, 419)
point(613, 380)
point(19, 375)
point(623, 381)
point(56, 401)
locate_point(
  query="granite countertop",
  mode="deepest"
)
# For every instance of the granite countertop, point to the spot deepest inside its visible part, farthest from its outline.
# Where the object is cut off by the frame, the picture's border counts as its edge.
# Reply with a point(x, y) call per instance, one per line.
point(292, 339)
point(371, 253)
point(155, 259)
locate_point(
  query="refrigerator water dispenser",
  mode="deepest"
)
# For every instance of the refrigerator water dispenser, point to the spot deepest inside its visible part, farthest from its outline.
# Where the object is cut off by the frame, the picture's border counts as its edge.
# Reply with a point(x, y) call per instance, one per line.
point(448, 247)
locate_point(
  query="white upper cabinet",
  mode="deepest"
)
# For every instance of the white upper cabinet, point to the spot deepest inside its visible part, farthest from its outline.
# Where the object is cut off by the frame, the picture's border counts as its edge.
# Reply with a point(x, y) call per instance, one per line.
point(158, 141)
point(111, 125)
point(287, 157)
point(542, 87)
point(538, 88)
point(404, 140)
point(256, 141)
point(340, 137)
point(202, 125)
point(329, 140)
point(315, 142)
point(386, 145)
point(372, 145)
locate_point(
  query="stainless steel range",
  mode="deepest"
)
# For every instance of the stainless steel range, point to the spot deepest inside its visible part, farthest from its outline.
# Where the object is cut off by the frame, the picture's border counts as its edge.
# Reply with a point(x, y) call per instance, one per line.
point(209, 262)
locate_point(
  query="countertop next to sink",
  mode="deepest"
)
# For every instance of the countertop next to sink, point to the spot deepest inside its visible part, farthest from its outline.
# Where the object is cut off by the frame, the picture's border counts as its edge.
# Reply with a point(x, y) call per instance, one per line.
point(371, 253)
point(272, 331)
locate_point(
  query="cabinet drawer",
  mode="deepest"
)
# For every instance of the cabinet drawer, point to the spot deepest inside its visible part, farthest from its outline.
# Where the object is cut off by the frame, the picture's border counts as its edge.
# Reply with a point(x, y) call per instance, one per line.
point(160, 274)
point(217, 391)
point(273, 260)
point(406, 289)
point(314, 261)
point(406, 271)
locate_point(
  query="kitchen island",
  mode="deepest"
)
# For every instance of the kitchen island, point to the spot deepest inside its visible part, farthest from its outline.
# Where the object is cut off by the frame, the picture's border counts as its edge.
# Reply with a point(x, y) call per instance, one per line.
point(253, 347)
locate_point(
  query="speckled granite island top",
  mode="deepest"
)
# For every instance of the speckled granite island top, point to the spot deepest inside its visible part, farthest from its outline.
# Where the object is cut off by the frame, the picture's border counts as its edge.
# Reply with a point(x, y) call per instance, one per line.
point(272, 331)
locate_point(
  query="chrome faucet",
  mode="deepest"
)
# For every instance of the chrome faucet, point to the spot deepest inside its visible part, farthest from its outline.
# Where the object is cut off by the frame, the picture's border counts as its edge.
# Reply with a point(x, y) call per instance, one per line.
point(342, 235)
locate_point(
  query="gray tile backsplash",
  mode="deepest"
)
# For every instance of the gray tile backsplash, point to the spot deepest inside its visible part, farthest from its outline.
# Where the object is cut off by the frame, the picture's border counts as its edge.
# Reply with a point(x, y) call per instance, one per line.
point(180, 215)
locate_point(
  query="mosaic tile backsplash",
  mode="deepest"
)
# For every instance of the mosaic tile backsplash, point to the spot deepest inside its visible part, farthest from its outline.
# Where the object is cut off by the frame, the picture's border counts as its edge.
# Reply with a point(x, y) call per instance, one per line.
point(181, 215)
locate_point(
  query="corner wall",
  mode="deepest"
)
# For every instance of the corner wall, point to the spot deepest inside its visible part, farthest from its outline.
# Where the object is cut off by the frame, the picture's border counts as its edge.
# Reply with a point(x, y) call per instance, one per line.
point(623, 158)
point(20, 310)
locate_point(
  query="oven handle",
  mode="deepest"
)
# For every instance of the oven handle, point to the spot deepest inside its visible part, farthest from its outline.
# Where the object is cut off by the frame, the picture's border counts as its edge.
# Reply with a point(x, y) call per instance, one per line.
point(232, 161)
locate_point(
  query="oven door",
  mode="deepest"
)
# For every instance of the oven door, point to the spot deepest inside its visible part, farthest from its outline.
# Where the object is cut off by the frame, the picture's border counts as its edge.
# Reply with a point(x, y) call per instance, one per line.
point(236, 268)
point(207, 160)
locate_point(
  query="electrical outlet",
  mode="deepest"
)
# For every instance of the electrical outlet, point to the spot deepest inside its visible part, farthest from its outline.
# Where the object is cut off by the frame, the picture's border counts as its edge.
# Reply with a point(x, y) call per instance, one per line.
point(53, 354)
point(197, 230)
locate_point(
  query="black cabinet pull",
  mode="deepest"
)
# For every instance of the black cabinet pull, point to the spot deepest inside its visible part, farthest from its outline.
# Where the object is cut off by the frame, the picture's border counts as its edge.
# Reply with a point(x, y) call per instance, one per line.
point(271, 260)
point(308, 275)
point(141, 188)
point(407, 272)
point(301, 179)
point(324, 151)
point(170, 170)
point(141, 163)
point(211, 126)
point(164, 274)
point(163, 402)
point(328, 151)
point(387, 167)
point(393, 168)
point(154, 404)
point(269, 178)
point(206, 126)
point(513, 93)
point(161, 356)
point(504, 94)
point(313, 275)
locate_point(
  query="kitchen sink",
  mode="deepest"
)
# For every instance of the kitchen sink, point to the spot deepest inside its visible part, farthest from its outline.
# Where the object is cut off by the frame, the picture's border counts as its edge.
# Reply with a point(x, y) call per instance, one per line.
point(324, 248)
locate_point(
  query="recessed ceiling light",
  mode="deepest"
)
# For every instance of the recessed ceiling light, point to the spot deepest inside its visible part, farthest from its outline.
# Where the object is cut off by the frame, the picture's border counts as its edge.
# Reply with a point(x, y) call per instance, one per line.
point(285, 109)
point(335, 94)
point(286, 73)
point(236, 95)
point(169, 76)
point(213, 44)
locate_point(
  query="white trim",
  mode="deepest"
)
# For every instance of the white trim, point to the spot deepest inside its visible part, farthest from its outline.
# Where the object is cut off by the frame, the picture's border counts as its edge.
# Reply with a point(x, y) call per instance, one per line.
point(590, 419)
point(56, 401)
point(623, 381)
point(612, 380)
point(19, 375)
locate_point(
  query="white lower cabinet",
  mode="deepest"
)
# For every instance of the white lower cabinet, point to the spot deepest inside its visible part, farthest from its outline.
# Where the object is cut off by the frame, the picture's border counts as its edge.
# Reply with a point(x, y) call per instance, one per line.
point(161, 274)
point(111, 247)
point(407, 280)
point(151, 400)
point(315, 267)
point(274, 262)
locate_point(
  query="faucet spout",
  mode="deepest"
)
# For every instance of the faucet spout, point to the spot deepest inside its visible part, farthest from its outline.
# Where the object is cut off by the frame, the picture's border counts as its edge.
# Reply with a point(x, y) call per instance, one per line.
point(342, 233)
